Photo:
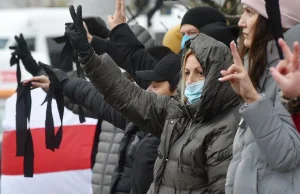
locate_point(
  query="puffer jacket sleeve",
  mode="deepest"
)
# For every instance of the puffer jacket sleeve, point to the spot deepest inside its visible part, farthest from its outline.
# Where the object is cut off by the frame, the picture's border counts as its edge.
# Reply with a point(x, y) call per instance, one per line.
point(85, 94)
point(219, 154)
point(75, 108)
point(136, 57)
point(274, 132)
point(145, 109)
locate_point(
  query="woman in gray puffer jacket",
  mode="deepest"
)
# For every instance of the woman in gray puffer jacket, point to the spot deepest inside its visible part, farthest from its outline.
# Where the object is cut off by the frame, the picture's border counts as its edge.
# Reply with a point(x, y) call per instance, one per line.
point(196, 136)
point(266, 150)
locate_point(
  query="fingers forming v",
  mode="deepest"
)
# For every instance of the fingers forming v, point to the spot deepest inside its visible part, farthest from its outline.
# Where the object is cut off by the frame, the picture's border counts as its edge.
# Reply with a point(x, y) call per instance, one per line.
point(236, 57)
point(288, 55)
point(79, 22)
point(73, 13)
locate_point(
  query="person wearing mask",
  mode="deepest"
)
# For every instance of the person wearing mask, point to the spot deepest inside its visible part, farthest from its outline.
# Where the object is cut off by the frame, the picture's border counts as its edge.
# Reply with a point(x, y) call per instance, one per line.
point(137, 58)
point(266, 150)
point(196, 133)
point(197, 17)
point(287, 75)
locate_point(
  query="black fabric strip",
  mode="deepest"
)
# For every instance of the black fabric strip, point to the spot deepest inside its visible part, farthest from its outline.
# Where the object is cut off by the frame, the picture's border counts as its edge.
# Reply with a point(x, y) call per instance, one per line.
point(80, 74)
point(55, 90)
point(273, 11)
point(96, 142)
point(67, 56)
point(23, 135)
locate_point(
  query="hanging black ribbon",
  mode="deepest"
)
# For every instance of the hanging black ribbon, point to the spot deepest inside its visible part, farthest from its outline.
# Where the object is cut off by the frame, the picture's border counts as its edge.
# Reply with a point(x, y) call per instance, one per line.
point(273, 11)
point(53, 139)
point(67, 56)
point(23, 134)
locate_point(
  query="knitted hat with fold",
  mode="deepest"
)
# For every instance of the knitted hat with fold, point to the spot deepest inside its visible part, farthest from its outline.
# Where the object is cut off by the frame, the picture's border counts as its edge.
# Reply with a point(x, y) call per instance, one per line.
point(289, 10)
point(201, 16)
point(172, 39)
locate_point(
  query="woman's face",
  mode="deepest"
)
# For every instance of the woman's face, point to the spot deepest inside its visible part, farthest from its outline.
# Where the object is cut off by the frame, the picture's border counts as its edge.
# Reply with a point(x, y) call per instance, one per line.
point(193, 71)
point(187, 29)
point(247, 23)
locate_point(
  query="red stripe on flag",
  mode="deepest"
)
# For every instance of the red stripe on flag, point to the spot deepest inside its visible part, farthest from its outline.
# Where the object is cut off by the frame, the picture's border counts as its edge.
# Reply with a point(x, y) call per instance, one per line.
point(74, 152)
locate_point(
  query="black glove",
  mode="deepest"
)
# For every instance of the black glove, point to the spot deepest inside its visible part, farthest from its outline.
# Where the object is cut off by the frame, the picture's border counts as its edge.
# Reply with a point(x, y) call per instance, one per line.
point(23, 53)
point(77, 35)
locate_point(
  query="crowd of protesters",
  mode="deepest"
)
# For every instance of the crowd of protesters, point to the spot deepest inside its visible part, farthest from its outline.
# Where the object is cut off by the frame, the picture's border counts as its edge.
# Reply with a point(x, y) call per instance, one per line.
point(214, 109)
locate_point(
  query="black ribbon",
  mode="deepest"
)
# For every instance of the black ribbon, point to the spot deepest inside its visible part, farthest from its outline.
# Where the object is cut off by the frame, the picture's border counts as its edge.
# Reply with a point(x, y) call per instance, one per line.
point(273, 11)
point(67, 56)
point(23, 134)
point(55, 90)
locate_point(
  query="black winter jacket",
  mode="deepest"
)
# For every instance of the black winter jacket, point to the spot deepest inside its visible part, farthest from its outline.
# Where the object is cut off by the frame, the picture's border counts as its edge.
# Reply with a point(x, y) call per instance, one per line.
point(135, 56)
point(196, 140)
point(138, 150)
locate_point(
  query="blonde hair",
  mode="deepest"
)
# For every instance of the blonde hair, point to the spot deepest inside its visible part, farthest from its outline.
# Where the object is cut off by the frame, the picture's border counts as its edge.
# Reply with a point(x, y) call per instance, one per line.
point(183, 77)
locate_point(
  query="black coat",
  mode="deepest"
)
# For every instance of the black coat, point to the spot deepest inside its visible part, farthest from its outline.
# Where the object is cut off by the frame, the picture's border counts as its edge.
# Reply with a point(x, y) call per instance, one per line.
point(135, 56)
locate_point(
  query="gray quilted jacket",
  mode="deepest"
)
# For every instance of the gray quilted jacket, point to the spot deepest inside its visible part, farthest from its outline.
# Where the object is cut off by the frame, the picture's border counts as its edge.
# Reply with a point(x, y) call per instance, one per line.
point(106, 158)
point(108, 147)
point(266, 150)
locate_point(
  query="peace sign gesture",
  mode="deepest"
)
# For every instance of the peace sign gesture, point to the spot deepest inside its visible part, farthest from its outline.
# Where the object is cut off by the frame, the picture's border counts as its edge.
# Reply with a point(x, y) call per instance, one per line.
point(77, 34)
point(119, 16)
point(240, 81)
point(287, 72)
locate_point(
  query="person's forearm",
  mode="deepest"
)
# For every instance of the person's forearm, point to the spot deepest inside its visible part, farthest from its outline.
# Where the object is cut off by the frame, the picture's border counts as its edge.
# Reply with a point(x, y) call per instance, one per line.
point(102, 46)
point(85, 94)
point(145, 109)
point(136, 57)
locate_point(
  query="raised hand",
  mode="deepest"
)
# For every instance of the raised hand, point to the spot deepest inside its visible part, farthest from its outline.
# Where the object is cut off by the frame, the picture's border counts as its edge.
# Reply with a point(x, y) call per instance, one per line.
point(287, 72)
point(240, 81)
point(119, 16)
point(77, 34)
point(22, 51)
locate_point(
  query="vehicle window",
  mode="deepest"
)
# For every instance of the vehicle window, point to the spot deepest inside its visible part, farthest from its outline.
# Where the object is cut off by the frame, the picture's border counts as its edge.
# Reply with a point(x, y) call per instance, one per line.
point(54, 53)
point(30, 43)
point(3, 43)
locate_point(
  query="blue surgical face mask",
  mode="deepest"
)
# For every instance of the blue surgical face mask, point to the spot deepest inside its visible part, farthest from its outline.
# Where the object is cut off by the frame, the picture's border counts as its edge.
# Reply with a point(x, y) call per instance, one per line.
point(193, 91)
point(185, 38)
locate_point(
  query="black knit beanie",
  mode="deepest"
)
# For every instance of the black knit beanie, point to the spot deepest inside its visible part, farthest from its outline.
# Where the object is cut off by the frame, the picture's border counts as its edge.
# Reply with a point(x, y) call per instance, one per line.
point(200, 16)
point(97, 26)
point(159, 52)
point(221, 32)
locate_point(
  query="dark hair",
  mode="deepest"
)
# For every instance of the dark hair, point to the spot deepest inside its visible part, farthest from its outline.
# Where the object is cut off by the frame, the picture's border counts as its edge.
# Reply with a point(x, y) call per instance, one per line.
point(172, 87)
point(257, 53)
